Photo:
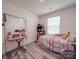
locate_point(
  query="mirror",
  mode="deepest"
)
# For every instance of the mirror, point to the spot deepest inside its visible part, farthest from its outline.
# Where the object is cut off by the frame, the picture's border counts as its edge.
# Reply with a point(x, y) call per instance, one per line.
point(14, 23)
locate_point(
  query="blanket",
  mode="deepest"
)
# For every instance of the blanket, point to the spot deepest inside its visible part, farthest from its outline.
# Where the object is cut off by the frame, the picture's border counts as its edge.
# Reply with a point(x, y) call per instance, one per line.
point(54, 43)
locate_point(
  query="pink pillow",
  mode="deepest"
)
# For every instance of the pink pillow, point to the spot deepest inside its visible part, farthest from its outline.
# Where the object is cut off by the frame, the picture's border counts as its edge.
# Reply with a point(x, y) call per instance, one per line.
point(58, 35)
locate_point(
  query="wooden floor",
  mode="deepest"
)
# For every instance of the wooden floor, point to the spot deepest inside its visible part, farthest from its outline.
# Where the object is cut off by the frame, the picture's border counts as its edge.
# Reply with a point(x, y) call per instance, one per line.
point(33, 51)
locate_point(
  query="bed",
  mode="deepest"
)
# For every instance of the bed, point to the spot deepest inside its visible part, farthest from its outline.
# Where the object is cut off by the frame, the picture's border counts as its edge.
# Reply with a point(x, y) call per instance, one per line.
point(56, 43)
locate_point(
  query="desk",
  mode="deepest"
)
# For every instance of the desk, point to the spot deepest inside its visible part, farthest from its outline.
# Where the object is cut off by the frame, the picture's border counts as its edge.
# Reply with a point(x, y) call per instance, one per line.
point(18, 40)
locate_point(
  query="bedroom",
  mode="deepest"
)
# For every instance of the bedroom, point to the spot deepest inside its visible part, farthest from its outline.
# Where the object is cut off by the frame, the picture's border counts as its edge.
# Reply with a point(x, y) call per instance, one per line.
point(39, 12)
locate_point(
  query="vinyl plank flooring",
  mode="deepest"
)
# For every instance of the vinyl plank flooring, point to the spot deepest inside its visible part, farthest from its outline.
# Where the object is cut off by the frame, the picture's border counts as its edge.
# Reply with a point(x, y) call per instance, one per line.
point(33, 51)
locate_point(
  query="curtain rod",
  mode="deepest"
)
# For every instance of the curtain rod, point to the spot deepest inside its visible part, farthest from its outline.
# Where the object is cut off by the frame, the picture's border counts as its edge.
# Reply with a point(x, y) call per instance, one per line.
point(14, 16)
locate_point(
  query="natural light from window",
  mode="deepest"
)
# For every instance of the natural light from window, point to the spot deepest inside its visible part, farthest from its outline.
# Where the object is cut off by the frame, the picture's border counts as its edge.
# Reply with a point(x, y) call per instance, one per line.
point(54, 25)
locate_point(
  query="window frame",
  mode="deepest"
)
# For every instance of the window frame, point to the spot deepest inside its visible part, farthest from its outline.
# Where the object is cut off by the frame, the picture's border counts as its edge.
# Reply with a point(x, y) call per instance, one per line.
point(47, 24)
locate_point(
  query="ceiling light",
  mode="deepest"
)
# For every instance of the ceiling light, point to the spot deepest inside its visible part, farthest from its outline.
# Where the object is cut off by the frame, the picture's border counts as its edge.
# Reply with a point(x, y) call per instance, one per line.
point(50, 8)
point(41, 0)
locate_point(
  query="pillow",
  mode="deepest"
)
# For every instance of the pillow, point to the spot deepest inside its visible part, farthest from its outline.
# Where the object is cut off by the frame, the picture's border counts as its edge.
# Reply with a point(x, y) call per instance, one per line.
point(72, 38)
point(58, 35)
point(65, 35)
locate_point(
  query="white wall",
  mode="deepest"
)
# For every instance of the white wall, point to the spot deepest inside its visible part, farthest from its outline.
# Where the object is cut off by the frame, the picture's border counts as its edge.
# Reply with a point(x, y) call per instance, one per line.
point(31, 23)
point(67, 19)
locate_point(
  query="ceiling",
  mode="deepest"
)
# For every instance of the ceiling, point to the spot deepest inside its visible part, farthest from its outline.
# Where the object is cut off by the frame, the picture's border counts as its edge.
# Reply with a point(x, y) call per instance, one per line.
point(41, 8)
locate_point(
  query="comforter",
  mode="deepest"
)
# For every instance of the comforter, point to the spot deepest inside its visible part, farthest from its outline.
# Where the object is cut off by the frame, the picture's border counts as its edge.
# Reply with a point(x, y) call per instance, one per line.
point(54, 43)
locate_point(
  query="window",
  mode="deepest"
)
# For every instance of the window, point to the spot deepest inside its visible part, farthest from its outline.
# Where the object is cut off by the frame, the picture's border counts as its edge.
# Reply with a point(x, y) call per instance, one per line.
point(54, 25)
